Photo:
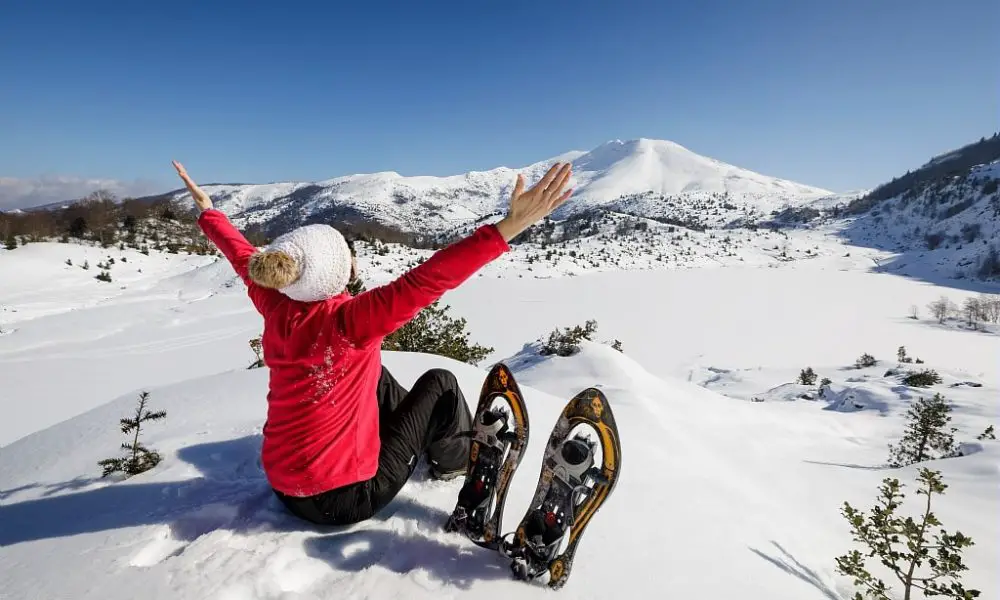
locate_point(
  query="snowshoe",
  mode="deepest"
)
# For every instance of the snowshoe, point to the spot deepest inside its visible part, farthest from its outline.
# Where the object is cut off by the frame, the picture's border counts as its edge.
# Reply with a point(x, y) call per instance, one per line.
point(499, 436)
point(572, 487)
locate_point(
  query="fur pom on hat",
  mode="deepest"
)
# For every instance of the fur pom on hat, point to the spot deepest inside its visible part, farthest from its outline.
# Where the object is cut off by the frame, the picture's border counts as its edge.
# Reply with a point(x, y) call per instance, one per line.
point(322, 258)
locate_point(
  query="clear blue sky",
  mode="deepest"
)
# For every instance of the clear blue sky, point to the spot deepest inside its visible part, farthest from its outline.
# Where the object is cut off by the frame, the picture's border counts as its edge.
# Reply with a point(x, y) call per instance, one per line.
point(842, 95)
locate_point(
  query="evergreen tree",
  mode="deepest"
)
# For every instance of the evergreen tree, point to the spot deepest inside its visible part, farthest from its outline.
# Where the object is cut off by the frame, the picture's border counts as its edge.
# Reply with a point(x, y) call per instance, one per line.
point(807, 376)
point(902, 356)
point(566, 342)
point(433, 331)
point(925, 433)
point(865, 360)
point(987, 434)
point(356, 286)
point(140, 458)
point(904, 545)
point(925, 378)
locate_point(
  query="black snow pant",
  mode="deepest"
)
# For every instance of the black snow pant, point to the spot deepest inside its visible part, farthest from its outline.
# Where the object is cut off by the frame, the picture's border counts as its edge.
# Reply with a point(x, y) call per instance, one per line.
point(431, 418)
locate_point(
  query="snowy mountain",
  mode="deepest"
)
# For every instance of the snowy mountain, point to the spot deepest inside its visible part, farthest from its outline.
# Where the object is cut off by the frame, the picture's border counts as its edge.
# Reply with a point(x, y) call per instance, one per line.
point(648, 178)
point(726, 459)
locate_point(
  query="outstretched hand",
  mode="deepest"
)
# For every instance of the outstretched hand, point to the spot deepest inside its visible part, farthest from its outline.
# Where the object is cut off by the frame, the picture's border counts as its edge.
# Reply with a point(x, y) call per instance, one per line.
point(201, 199)
point(529, 207)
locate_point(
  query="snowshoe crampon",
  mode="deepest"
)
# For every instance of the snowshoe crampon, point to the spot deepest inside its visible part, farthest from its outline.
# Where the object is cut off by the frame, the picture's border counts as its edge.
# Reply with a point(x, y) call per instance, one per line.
point(573, 485)
point(499, 436)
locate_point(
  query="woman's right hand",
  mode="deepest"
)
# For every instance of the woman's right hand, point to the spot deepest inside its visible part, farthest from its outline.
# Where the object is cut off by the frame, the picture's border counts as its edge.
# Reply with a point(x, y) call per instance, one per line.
point(201, 199)
point(529, 207)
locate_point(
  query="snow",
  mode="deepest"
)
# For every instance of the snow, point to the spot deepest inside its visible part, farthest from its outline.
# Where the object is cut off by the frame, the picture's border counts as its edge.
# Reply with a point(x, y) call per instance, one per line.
point(731, 486)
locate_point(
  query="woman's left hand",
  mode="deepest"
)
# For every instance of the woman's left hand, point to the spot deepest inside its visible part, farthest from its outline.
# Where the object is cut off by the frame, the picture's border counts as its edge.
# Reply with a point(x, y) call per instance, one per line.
point(201, 199)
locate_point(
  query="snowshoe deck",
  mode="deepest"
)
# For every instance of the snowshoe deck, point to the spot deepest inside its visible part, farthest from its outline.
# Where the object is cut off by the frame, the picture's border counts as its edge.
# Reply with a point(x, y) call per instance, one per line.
point(499, 437)
point(571, 488)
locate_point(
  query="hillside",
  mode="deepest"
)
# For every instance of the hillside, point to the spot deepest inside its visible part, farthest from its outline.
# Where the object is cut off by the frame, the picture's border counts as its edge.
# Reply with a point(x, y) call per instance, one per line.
point(648, 178)
point(944, 228)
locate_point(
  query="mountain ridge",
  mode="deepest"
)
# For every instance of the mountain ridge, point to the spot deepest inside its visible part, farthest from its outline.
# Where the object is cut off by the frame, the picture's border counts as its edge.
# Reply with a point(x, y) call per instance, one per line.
point(667, 174)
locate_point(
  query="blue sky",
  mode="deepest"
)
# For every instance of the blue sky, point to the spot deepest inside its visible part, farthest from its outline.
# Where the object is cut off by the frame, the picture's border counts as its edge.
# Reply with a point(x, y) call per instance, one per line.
point(842, 95)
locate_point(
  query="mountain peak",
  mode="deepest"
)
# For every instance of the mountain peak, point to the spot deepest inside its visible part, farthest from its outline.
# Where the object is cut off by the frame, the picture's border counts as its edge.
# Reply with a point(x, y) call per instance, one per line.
point(662, 174)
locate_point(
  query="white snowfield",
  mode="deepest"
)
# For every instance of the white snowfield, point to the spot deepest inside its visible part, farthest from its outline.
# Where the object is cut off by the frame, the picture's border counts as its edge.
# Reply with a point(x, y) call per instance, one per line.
point(720, 496)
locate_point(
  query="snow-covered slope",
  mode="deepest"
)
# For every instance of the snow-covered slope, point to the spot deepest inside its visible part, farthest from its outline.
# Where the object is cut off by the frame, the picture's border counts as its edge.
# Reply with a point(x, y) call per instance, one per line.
point(707, 480)
point(945, 229)
point(653, 178)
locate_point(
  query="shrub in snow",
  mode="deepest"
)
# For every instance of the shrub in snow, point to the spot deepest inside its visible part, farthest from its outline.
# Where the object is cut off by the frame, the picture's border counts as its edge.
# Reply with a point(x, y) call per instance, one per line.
point(903, 545)
point(103, 276)
point(434, 332)
point(925, 378)
point(925, 436)
point(865, 360)
point(617, 345)
point(987, 434)
point(567, 341)
point(258, 349)
point(901, 355)
point(807, 376)
point(139, 458)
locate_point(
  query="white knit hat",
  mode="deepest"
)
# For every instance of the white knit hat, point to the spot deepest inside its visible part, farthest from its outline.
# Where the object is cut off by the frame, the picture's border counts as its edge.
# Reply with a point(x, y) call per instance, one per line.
point(324, 261)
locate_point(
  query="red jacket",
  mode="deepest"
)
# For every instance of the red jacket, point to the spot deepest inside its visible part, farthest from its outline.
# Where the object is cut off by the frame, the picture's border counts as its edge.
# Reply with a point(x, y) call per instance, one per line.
point(325, 359)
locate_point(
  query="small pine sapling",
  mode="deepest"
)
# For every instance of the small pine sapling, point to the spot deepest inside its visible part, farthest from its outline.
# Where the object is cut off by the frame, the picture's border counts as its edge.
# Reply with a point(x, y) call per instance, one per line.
point(824, 387)
point(140, 458)
point(617, 345)
point(807, 376)
point(866, 360)
point(926, 433)
point(987, 434)
point(902, 356)
point(903, 545)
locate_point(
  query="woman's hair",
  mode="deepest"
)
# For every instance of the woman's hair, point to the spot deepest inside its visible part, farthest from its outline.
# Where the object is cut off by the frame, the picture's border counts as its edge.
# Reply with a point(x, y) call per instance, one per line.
point(273, 269)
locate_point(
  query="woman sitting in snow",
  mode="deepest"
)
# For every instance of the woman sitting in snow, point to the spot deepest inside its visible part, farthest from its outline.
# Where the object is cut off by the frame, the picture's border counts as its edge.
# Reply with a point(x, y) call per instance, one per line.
point(342, 436)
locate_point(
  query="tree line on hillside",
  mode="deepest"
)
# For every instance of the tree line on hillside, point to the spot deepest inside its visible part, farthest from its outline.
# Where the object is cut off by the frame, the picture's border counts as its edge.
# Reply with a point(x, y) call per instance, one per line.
point(960, 161)
point(100, 218)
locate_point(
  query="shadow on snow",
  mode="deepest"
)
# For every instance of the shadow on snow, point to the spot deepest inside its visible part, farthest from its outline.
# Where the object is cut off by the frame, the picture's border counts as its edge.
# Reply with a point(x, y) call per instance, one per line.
point(232, 493)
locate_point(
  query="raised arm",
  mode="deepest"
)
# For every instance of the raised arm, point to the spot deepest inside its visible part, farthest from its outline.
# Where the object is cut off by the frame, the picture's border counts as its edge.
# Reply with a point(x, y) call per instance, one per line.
point(378, 312)
point(233, 245)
